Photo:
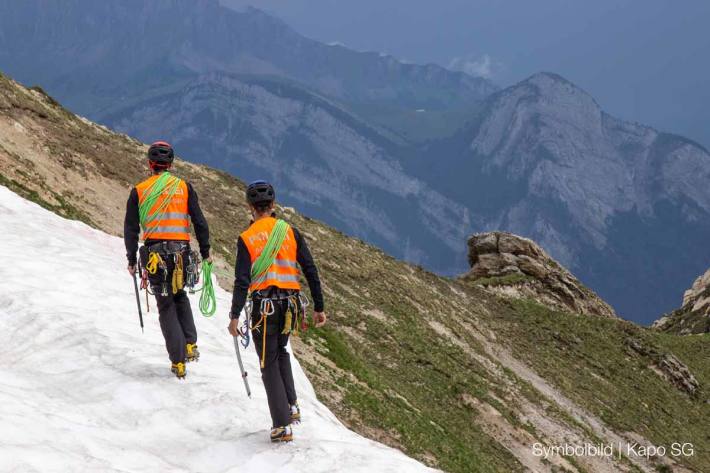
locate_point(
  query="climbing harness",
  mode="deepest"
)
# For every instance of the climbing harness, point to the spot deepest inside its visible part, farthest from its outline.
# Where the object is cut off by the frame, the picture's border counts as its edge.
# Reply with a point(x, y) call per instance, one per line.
point(294, 318)
point(185, 274)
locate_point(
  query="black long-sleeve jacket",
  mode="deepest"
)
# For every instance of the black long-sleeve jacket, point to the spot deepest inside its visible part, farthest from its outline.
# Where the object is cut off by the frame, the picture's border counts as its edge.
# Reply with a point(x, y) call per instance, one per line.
point(242, 274)
point(132, 227)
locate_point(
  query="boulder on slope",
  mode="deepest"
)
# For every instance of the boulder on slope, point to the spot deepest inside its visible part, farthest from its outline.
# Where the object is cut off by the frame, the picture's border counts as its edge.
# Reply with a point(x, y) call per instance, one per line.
point(518, 267)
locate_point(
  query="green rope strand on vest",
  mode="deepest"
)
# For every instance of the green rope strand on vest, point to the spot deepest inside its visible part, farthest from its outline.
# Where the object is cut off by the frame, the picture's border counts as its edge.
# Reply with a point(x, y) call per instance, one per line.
point(165, 182)
point(208, 301)
point(262, 264)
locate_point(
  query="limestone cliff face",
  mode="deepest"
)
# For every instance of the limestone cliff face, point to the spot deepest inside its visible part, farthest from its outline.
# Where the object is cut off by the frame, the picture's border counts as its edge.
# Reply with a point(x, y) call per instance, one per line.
point(608, 199)
point(694, 314)
point(514, 266)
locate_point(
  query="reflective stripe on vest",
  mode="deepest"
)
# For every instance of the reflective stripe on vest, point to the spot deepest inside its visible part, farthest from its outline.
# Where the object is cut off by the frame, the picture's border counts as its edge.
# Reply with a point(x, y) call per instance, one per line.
point(166, 229)
point(285, 264)
point(278, 277)
point(175, 216)
point(173, 223)
point(284, 272)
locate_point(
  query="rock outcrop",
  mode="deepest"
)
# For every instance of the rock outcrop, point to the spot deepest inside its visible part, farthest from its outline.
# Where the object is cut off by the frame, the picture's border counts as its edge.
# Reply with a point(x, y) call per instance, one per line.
point(667, 366)
point(694, 314)
point(514, 266)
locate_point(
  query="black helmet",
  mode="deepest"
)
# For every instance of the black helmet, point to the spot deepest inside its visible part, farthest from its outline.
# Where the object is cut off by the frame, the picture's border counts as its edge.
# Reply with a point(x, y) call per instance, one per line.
point(260, 192)
point(161, 153)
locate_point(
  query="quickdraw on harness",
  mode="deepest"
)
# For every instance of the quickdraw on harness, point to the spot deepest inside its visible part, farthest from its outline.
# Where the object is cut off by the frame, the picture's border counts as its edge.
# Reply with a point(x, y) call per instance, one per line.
point(296, 315)
point(244, 332)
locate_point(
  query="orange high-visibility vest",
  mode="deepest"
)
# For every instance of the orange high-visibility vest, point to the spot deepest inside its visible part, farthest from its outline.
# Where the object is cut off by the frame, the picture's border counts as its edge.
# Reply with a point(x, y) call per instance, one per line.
point(174, 220)
point(284, 272)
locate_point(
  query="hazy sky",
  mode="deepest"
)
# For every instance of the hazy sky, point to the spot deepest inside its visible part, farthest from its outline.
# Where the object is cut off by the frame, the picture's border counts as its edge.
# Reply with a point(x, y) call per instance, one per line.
point(643, 60)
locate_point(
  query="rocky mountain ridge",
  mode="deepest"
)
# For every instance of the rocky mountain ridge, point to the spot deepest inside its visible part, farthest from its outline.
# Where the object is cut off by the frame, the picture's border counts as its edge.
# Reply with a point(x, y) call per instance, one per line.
point(693, 316)
point(149, 41)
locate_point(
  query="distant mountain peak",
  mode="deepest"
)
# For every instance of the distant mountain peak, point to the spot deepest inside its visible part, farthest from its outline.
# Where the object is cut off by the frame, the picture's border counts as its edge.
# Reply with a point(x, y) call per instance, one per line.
point(553, 87)
point(549, 76)
point(543, 104)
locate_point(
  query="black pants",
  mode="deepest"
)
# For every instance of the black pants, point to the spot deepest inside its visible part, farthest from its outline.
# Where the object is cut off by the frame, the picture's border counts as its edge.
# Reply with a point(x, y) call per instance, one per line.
point(276, 374)
point(176, 321)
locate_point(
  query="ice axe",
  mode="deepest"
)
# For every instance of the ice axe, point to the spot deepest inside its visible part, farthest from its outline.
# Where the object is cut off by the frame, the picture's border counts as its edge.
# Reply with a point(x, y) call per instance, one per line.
point(241, 367)
point(138, 301)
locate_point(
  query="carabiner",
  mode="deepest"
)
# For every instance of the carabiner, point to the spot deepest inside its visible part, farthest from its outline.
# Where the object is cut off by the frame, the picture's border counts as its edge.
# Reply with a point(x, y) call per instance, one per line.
point(304, 300)
point(267, 307)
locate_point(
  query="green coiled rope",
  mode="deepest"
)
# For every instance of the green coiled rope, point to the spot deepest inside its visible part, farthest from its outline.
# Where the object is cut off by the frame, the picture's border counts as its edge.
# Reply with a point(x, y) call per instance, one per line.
point(208, 301)
point(165, 182)
point(271, 249)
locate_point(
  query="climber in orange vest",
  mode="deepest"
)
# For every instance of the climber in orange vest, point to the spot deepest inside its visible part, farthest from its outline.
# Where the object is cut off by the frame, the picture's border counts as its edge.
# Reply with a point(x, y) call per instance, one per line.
point(269, 254)
point(164, 206)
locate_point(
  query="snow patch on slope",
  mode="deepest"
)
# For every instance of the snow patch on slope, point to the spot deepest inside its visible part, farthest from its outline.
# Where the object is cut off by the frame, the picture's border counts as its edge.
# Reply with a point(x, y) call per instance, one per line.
point(83, 390)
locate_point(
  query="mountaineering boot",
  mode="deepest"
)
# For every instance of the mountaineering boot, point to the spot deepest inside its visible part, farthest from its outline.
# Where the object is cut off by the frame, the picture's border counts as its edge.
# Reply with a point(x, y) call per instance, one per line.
point(295, 414)
point(281, 434)
point(193, 354)
point(179, 370)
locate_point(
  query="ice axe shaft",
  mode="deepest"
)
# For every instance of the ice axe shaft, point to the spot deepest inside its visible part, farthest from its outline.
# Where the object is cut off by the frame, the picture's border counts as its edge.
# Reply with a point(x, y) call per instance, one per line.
point(138, 301)
point(241, 367)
